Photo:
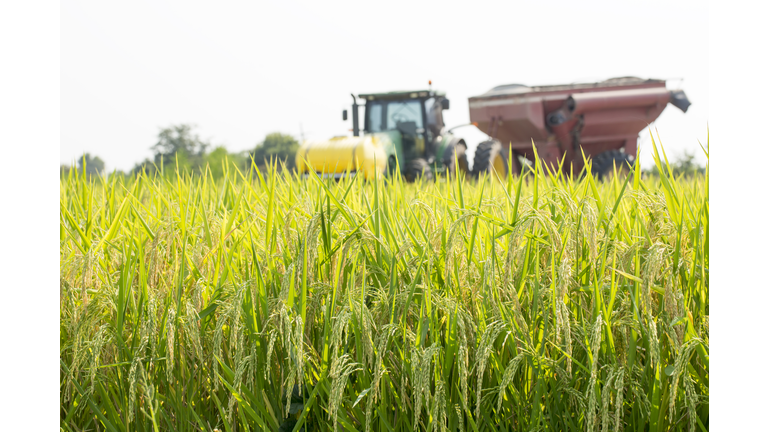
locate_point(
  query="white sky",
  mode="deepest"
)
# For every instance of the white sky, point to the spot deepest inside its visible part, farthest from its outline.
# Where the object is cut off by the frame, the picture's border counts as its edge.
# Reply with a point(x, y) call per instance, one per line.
point(240, 70)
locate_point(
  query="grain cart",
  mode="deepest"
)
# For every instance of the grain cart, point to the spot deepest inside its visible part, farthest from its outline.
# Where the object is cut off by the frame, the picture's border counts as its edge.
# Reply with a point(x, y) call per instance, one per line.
point(601, 119)
point(401, 131)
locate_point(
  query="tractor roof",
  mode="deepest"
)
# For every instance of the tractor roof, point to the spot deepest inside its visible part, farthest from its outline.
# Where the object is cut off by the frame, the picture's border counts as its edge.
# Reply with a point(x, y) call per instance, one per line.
point(396, 95)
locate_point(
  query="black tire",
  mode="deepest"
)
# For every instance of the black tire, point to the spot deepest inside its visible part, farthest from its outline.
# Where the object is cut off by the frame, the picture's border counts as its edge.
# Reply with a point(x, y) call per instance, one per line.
point(489, 157)
point(456, 153)
point(418, 168)
point(602, 164)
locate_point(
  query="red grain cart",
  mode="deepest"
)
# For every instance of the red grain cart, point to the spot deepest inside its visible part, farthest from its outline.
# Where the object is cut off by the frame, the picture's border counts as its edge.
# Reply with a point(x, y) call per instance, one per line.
point(601, 119)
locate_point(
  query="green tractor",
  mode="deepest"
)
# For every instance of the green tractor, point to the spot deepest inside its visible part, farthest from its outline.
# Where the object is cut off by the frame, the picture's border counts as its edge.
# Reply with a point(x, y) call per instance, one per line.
point(401, 131)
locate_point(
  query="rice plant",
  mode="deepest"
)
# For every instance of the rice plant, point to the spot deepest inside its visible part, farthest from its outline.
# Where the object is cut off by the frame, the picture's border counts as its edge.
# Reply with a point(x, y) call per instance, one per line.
point(268, 302)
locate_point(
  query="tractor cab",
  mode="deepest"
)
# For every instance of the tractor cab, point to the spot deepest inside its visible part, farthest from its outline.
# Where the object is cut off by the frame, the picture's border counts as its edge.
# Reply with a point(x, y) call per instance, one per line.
point(416, 115)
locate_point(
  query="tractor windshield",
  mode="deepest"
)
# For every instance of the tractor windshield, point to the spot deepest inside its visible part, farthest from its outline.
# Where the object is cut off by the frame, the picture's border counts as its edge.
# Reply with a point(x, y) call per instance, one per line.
point(388, 115)
point(399, 112)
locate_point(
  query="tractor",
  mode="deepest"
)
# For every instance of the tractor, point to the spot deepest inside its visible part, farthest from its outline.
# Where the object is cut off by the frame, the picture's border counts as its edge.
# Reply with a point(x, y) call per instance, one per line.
point(402, 131)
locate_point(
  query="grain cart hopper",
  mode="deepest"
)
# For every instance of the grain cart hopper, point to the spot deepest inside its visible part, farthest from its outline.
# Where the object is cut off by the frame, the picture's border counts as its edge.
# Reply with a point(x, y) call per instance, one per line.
point(401, 131)
point(601, 119)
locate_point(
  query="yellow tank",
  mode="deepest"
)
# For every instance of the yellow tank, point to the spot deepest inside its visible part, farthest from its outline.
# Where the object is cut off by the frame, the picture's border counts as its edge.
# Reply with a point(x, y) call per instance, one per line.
point(363, 155)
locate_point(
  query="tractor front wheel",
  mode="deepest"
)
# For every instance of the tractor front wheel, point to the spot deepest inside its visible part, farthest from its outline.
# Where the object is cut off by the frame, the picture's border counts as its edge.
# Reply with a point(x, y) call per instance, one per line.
point(490, 157)
point(418, 168)
point(603, 164)
point(456, 157)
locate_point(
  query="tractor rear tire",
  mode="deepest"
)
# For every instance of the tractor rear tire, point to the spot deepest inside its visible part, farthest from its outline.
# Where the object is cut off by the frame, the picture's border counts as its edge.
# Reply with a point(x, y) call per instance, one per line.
point(418, 168)
point(490, 157)
point(602, 164)
point(456, 157)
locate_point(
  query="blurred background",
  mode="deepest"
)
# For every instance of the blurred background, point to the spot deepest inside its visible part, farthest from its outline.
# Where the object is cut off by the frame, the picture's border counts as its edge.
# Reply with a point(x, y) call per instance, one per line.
point(232, 73)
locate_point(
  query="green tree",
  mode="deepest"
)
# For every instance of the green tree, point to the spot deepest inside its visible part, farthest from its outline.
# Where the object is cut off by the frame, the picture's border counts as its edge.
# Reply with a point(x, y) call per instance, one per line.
point(93, 165)
point(683, 164)
point(176, 144)
point(178, 141)
point(219, 156)
point(276, 147)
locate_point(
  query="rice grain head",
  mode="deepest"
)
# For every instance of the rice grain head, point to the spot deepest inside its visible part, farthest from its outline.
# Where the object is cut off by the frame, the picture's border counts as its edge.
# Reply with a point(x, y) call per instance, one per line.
point(192, 330)
point(483, 352)
point(683, 356)
point(655, 259)
point(97, 346)
point(270, 350)
point(654, 341)
point(169, 343)
point(439, 418)
point(619, 404)
point(606, 393)
point(509, 375)
point(218, 340)
point(378, 371)
point(460, 414)
point(132, 377)
point(341, 368)
point(691, 399)
point(591, 391)
point(152, 319)
point(236, 384)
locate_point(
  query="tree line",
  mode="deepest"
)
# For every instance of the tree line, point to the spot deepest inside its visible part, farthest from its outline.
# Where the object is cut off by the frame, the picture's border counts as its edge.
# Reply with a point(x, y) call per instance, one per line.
point(179, 145)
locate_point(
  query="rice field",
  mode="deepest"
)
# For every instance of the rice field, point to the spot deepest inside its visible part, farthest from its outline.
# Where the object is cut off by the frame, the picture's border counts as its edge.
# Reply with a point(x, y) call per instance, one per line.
point(268, 302)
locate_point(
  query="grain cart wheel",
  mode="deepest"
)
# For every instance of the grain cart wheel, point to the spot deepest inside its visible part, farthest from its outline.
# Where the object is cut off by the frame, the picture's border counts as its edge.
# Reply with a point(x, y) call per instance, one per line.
point(602, 164)
point(490, 157)
point(456, 154)
point(418, 168)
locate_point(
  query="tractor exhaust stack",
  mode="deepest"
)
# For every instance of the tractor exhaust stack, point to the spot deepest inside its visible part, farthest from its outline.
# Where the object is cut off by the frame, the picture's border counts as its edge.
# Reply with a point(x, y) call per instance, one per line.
point(355, 123)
